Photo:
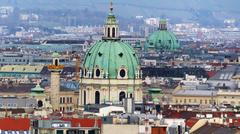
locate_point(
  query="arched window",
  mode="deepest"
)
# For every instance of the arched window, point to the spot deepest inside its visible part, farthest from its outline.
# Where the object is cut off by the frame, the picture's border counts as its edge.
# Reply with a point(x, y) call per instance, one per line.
point(97, 97)
point(84, 97)
point(131, 95)
point(98, 72)
point(108, 32)
point(40, 103)
point(122, 95)
point(56, 62)
point(113, 32)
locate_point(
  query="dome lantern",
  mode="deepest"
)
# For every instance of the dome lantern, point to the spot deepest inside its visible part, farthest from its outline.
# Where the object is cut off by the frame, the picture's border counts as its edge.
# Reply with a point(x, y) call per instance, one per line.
point(162, 25)
point(111, 28)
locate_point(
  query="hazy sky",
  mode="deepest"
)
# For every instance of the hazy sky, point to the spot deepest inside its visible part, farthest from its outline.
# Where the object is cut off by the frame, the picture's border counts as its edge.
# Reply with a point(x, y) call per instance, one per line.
point(184, 9)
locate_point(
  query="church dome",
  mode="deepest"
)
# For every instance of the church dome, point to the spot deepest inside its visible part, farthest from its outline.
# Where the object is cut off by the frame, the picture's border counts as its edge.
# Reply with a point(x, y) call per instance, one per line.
point(162, 39)
point(110, 57)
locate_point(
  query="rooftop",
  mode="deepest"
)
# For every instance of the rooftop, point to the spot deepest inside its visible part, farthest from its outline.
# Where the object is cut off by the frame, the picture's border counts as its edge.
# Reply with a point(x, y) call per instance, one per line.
point(196, 93)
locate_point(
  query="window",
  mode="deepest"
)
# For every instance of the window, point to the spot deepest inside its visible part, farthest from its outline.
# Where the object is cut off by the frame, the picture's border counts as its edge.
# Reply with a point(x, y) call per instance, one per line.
point(122, 73)
point(122, 95)
point(97, 97)
point(108, 32)
point(63, 101)
point(97, 72)
point(84, 97)
point(189, 100)
point(185, 100)
point(40, 103)
point(67, 99)
point(113, 32)
point(131, 95)
point(70, 99)
point(205, 101)
point(56, 62)
point(60, 100)
point(176, 101)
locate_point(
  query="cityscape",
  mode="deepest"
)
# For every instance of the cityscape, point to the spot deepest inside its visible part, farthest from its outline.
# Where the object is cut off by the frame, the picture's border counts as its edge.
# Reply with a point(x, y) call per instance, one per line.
point(119, 67)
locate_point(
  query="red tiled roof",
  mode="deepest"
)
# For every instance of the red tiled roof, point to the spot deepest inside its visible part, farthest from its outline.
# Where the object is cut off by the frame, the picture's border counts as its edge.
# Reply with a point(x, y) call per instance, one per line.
point(191, 122)
point(84, 122)
point(211, 73)
point(15, 124)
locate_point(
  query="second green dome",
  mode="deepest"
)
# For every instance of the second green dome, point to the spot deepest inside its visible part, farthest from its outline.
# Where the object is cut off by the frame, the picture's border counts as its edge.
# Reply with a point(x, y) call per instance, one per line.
point(162, 40)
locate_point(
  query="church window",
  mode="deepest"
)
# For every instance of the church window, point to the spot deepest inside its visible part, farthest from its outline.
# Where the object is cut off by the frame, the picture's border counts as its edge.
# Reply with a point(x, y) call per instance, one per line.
point(97, 97)
point(84, 97)
point(122, 95)
point(40, 103)
point(108, 32)
point(97, 72)
point(56, 62)
point(122, 73)
point(113, 32)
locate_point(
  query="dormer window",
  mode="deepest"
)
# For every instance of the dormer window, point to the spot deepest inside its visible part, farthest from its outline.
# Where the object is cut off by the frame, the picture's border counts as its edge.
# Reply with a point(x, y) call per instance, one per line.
point(120, 54)
point(99, 54)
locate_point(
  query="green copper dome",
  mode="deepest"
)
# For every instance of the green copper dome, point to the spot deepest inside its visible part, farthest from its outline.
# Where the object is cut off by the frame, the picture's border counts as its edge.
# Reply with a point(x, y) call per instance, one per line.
point(110, 57)
point(162, 40)
point(55, 55)
point(37, 89)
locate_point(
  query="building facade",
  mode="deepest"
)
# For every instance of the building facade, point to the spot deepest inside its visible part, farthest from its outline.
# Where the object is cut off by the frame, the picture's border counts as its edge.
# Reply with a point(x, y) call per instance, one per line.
point(111, 70)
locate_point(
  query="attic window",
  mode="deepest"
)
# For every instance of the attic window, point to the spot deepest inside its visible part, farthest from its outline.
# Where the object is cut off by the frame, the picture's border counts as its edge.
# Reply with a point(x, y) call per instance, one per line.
point(134, 54)
point(120, 54)
point(99, 54)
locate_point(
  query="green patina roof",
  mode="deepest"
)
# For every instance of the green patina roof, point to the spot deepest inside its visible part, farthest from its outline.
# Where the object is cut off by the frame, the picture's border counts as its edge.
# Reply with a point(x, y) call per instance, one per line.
point(111, 19)
point(155, 100)
point(162, 40)
point(55, 55)
point(154, 89)
point(110, 56)
point(37, 89)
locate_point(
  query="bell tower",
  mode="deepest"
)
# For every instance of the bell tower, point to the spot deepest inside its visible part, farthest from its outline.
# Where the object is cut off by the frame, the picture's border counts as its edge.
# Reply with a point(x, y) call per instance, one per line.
point(111, 28)
point(55, 69)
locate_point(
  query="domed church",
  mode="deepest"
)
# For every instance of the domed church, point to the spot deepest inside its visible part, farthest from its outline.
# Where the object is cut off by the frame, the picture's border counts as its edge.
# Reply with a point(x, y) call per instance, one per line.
point(111, 69)
point(162, 39)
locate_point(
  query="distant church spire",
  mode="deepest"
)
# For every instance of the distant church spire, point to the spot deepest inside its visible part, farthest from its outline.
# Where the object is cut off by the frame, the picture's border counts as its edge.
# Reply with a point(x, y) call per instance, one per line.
point(111, 29)
point(111, 7)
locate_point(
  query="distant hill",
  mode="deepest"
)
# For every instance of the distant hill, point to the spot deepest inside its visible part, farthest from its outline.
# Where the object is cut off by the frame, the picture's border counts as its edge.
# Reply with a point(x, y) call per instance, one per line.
point(205, 11)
